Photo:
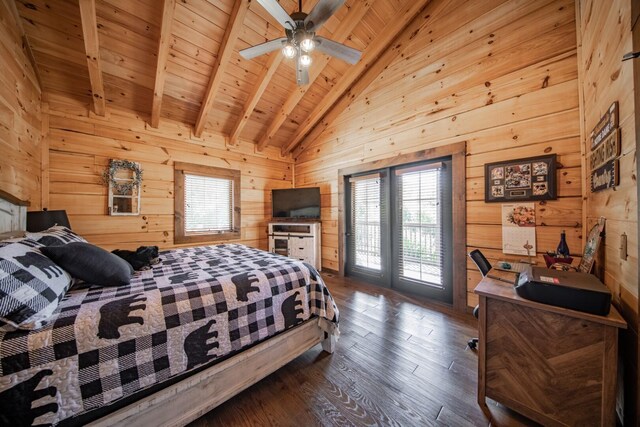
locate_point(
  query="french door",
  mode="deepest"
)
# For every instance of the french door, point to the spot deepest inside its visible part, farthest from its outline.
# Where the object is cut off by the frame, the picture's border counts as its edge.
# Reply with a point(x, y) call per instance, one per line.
point(399, 228)
point(368, 227)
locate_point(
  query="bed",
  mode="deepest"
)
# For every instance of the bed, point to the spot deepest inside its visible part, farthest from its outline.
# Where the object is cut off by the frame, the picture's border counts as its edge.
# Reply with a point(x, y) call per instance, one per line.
point(185, 336)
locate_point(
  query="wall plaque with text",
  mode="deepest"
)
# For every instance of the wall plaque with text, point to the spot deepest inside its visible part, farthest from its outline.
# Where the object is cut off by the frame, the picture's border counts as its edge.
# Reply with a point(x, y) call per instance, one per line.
point(606, 176)
point(607, 124)
point(604, 166)
point(608, 150)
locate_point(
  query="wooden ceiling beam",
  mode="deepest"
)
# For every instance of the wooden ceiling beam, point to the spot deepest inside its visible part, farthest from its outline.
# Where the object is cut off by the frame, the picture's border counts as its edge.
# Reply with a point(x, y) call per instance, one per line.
point(236, 18)
point(406, 21)
point(161, 65)
point(347, 25)
point(255, 95)
point(92, 50)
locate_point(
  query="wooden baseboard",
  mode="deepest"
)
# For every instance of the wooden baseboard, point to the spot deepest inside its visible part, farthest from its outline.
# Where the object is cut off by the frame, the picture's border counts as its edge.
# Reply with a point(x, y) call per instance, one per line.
point(192, 397)
point(330, 271)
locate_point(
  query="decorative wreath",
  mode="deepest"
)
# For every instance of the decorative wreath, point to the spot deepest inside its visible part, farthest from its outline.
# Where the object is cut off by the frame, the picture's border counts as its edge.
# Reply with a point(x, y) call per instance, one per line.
point(119, 186)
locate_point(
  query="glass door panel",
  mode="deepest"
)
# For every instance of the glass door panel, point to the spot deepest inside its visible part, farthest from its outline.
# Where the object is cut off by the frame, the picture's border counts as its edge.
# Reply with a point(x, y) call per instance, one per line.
point(366, 226)
point(422, 228)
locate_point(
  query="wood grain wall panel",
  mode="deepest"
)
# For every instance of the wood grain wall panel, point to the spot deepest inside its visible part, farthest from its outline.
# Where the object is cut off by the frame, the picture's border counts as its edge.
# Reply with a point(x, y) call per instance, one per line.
point(80, 146)
point(453, 33)
point(502, 77)
point(20, 115)
point(55, 36)
point(477, 32)
point(140, 17)
point(124, 93)
point(605, 35)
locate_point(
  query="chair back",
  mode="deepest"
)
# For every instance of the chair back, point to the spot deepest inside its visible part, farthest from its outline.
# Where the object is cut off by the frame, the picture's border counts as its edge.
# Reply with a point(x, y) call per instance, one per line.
point(481, 262)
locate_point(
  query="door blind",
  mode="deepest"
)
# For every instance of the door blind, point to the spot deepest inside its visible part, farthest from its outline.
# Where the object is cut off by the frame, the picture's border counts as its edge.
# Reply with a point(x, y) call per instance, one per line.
point(208, 204)
point(418, 235)
point(366, 210)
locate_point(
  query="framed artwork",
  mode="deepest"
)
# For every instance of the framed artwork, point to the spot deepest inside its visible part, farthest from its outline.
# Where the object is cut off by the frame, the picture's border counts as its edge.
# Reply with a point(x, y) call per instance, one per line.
point(530, 179)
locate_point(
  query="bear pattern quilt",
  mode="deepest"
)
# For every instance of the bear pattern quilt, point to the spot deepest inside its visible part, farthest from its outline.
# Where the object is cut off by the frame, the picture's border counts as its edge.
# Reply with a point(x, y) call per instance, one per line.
point(107, 343)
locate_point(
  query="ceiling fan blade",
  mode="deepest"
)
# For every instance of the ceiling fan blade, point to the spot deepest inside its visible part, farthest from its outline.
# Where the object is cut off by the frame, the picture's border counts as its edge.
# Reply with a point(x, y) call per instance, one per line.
point(340, 51)
point(302, 73)
point(320, 13)
point(275, 10)
point(261, 49)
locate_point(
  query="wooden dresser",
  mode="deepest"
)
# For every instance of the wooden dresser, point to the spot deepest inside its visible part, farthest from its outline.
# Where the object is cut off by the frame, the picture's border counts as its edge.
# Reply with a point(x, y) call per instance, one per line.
point(553, 365)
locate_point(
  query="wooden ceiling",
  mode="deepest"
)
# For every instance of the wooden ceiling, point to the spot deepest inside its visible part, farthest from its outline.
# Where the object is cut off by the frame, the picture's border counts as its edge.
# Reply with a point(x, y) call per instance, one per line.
point(120, 52)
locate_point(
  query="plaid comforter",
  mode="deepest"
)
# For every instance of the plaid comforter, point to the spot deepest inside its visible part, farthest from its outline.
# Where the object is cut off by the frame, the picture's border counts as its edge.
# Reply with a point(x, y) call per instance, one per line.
point(107, 343)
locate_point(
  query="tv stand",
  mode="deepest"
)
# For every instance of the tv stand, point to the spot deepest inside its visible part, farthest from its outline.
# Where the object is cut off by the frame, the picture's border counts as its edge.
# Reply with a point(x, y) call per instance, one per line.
point(298, 240)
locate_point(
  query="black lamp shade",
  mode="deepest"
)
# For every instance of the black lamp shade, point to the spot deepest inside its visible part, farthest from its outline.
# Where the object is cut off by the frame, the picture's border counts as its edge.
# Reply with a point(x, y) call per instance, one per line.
point(42, 220)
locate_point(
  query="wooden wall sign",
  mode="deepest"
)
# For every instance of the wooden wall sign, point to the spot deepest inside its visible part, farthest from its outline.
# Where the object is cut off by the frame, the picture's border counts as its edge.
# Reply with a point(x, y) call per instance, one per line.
point(608, 150)
point(606, 176)
point(607, 124)
point(605, 149)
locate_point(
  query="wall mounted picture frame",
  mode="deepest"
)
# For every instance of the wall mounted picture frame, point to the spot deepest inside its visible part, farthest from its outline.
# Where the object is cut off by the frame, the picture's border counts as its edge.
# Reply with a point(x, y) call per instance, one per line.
point(124, 179)
point(524, 180)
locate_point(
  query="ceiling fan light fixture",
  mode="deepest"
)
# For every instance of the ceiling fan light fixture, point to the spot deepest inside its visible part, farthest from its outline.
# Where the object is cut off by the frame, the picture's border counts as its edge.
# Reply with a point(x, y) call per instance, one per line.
point(305, 60)
point(301, 39)
point(289, 51)
point(307, 44)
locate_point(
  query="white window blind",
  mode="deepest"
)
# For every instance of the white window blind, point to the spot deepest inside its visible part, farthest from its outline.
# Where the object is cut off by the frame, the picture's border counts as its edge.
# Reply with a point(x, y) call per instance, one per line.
point(419, 239)
point(365, 220)
point(208, 204)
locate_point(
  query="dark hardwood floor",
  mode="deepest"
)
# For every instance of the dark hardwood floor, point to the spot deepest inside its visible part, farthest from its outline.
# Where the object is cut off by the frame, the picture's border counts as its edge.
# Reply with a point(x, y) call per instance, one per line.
point(400, 361)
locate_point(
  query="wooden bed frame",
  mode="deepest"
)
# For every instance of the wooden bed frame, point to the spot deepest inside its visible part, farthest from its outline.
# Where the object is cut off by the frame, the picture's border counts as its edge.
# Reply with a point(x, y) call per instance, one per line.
point(196, 395)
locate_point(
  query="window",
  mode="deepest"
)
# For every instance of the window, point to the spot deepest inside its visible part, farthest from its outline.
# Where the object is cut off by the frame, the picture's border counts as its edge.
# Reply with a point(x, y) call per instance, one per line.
point(365, 220)
point(207, 203)
point(419, 226)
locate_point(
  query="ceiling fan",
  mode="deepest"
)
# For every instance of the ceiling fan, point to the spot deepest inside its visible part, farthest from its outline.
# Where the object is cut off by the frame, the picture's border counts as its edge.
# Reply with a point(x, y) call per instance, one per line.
point(301, 38)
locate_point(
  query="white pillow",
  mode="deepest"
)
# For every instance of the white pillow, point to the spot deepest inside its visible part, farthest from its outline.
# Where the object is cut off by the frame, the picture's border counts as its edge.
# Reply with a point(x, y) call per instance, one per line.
point(31, 285)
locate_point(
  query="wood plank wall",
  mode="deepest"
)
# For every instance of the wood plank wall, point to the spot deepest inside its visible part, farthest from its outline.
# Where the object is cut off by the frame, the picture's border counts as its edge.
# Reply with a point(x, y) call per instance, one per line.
point(605, 30)
point(20, 119)
point(500, 75)
point(81, 144)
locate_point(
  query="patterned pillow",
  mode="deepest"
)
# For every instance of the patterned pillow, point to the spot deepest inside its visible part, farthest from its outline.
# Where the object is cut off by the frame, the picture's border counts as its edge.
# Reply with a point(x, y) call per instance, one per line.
point(5, 242)
point(31, 285)
point(55, 236)
point(23, 240)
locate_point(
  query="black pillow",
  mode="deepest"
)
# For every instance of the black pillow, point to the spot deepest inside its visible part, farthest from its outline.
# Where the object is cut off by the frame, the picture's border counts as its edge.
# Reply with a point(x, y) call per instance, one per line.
point(90, 263)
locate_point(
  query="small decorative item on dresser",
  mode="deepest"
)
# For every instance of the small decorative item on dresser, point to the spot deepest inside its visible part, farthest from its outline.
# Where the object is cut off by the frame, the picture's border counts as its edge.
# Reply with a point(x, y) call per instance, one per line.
point(551, 258)
point(563, 249)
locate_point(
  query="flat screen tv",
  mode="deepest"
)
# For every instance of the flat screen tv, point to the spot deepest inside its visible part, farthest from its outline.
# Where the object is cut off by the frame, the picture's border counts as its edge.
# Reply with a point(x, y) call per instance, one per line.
point(296, 203)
